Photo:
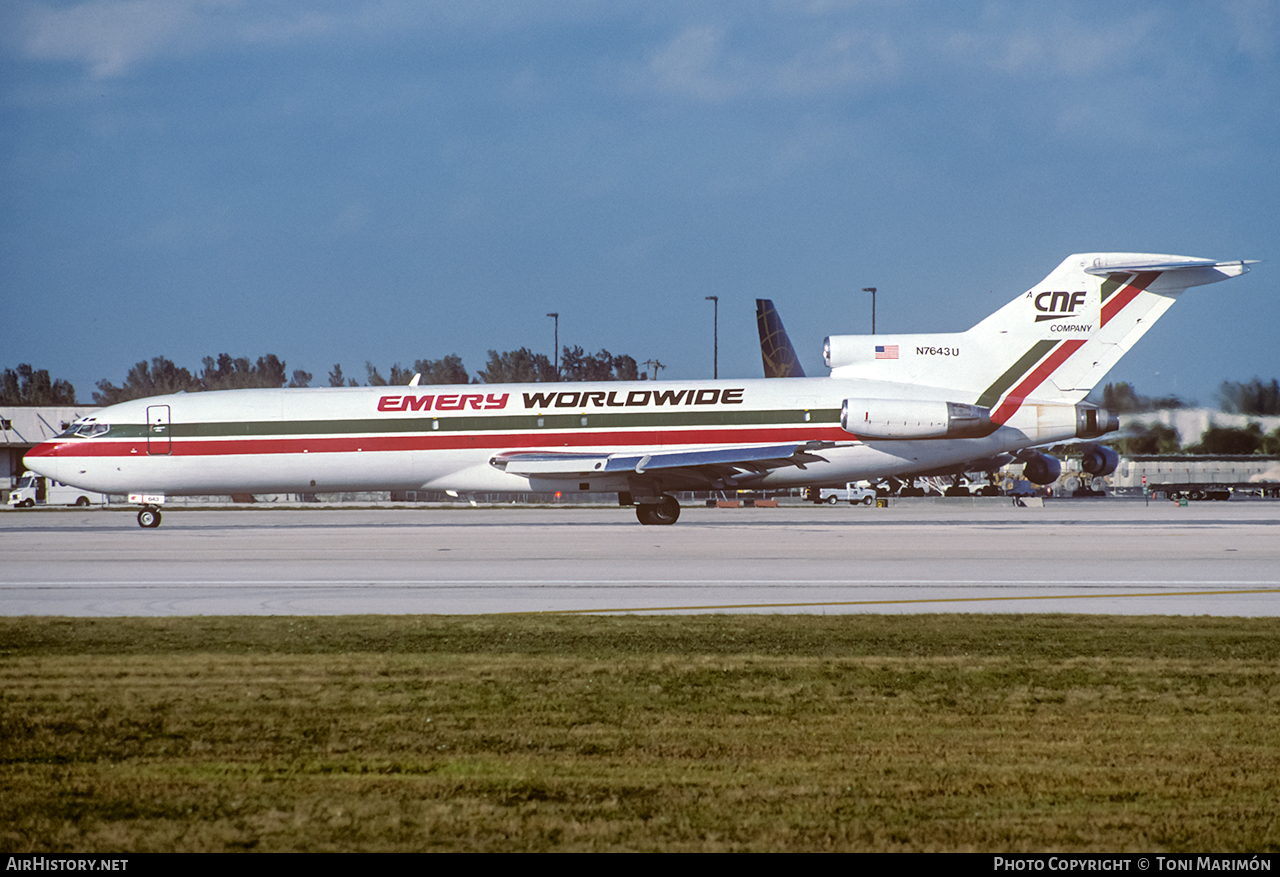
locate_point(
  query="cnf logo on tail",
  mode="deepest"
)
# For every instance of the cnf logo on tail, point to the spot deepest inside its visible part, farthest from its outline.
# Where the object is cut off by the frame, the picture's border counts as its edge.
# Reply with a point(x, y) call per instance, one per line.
point(1056, 305)
point(1063, 313)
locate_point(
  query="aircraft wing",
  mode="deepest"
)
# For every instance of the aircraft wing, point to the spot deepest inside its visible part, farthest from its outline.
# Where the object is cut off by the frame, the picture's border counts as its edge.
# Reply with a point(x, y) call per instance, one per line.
point(714, 462)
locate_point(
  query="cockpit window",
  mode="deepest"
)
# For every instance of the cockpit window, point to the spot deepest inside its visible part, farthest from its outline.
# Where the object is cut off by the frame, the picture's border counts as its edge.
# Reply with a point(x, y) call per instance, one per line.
point(87, 429)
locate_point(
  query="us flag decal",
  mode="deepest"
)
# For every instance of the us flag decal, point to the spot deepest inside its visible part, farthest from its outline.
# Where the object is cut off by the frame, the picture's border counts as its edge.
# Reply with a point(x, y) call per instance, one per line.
point(886, 351)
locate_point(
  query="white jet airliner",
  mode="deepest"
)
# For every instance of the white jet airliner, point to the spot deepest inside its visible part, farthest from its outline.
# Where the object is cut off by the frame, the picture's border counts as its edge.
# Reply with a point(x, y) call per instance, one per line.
point(893, 404)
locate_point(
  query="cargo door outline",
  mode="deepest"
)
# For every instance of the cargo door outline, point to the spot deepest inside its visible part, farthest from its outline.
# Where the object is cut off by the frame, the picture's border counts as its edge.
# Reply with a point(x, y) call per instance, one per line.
point(159, 441)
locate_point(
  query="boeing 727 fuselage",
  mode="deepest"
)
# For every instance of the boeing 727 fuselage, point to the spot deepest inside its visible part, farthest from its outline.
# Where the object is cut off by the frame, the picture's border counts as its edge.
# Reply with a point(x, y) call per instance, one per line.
point(892, 405)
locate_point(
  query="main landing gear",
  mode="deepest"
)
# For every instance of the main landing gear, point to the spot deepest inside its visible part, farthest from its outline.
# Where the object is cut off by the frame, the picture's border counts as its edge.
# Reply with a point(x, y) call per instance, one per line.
point(665, 511)
point(149, 517)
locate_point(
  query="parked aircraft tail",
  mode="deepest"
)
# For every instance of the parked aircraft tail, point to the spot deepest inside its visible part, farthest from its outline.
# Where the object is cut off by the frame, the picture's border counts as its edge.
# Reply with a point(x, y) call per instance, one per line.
point(780, 359)
point(1054, 342)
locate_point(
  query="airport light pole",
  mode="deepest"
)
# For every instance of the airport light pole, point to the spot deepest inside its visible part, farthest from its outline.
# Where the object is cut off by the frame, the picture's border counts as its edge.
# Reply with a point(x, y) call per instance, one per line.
point(715, 335)
point(556, 317)
point(872, 290)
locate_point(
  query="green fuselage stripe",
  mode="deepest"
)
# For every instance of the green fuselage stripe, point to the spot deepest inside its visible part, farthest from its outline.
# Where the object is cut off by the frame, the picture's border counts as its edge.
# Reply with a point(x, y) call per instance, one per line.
point(526, 422)
point(993, 393)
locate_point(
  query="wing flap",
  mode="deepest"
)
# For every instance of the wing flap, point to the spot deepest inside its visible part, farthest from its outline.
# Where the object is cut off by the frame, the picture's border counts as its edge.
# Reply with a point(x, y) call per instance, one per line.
point(548, 463)
point(554, 463)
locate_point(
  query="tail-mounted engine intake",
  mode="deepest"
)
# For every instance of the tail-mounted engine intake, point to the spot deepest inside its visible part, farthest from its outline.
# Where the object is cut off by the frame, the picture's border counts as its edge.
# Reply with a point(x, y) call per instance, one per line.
point(1092, 422)
point(909, 419)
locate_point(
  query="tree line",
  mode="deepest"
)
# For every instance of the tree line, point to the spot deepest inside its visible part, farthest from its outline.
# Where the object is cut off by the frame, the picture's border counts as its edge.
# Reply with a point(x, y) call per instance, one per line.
point(27, 385)
point(1250, 397)
point(162, 376)
point(1124, 399)
point(521, 366)
point(1253, 397)
point(1156, 438)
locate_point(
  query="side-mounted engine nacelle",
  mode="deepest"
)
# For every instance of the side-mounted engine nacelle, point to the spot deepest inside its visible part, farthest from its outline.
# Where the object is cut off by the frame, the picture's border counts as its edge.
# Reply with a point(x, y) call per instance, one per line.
point(1040, 468)
point(1099, 460)
point(910, 419)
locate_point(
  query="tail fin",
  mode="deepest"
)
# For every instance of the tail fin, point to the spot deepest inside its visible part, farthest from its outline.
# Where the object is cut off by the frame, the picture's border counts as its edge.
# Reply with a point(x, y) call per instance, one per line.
point(775, 347)
point(1053, 342)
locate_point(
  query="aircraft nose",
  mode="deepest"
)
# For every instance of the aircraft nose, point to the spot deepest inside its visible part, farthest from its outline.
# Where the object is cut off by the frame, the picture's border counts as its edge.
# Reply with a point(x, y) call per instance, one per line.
point(43, 460)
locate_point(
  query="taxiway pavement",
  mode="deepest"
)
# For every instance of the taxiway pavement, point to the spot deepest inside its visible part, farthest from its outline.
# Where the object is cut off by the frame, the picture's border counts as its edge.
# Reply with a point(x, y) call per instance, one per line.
point(1099, 556)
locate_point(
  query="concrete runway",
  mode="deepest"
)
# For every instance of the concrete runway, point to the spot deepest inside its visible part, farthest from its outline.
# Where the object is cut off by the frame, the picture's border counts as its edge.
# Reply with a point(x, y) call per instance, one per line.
point(1094, 556)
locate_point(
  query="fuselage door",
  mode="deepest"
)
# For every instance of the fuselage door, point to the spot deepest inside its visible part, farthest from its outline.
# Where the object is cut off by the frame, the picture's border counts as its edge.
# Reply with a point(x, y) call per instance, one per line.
point(158, 440)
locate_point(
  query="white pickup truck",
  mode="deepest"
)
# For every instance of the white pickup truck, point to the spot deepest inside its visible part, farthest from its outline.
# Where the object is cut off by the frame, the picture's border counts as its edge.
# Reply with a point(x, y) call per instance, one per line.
point(850, 493)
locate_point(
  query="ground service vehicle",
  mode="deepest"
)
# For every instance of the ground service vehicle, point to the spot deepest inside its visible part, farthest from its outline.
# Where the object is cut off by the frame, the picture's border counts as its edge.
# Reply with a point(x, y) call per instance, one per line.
point(850, 493)
point(35, 490)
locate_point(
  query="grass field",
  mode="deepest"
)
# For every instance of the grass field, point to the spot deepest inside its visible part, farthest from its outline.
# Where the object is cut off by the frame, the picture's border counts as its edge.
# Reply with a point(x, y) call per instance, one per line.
point(854, 732)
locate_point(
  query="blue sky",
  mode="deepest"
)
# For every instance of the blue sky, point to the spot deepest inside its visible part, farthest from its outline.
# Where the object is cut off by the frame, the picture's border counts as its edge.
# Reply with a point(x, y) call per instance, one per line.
point(390, 181)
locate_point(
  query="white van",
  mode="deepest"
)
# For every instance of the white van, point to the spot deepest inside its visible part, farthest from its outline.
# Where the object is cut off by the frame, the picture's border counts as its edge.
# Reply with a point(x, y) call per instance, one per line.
point(37, 490)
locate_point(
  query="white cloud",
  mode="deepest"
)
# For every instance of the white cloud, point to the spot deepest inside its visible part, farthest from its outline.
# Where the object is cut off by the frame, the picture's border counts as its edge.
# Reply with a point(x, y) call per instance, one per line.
point(834, 49)
point(688, 65)
point(1059, 47)
point(847, 59)
point(696, 64)
point(1257, 26)
point(111, 36)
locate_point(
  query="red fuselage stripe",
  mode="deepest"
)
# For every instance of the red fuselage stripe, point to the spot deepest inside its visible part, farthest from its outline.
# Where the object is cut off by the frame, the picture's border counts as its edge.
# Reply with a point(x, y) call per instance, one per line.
point(447, 442)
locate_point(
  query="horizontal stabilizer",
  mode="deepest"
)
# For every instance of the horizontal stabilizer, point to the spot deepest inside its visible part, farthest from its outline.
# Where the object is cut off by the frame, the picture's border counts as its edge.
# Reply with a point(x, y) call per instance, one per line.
point(1102, 268)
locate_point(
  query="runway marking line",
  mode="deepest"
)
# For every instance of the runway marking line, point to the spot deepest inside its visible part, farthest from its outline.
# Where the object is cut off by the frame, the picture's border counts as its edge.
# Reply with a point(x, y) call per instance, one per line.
point(47, 584)
point(886, 602)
